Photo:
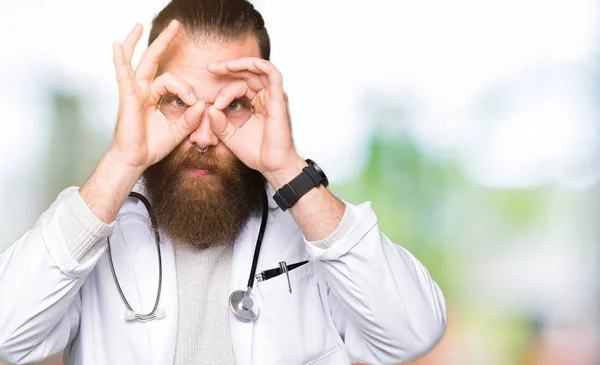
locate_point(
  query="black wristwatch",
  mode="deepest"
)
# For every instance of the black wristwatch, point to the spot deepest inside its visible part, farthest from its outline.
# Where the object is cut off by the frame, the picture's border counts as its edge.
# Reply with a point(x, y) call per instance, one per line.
point(310, 177)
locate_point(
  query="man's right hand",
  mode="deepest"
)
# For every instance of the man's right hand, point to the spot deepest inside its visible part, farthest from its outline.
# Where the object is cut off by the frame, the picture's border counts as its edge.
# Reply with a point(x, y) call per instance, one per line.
point(143, 135)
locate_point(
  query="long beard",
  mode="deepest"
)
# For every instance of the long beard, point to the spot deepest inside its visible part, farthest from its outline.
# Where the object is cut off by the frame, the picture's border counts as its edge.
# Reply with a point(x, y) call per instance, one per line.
point(203, 211)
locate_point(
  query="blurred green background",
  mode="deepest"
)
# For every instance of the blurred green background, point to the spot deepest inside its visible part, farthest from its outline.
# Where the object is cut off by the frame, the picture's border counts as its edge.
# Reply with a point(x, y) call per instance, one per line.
point(472, 127)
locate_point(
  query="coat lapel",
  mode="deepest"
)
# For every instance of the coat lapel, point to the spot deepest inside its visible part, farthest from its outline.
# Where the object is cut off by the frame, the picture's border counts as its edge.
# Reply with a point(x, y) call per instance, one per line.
point(242, 334)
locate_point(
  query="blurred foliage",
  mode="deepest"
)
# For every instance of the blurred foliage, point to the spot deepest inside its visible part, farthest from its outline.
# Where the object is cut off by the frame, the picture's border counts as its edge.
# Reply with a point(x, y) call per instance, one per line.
point(407, 191)
point(74, 148)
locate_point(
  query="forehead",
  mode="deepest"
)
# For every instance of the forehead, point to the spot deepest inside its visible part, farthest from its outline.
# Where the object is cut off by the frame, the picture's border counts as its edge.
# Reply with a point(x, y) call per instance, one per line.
point(188, 58)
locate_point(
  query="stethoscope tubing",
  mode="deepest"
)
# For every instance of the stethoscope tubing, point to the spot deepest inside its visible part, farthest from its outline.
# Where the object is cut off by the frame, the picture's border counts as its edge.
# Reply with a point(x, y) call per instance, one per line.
point(242, 313)
point(259, 240)
point(152, 314)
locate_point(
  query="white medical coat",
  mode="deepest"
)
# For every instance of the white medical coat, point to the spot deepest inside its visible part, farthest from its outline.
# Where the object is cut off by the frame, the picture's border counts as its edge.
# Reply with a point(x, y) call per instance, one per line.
point(363, 299)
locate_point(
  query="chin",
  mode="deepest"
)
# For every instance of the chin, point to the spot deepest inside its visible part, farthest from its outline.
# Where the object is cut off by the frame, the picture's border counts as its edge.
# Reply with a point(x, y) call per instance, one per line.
point(200, 188)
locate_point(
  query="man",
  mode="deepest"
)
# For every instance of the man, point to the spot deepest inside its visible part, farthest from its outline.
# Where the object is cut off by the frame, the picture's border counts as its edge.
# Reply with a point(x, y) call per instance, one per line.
point(203, 132)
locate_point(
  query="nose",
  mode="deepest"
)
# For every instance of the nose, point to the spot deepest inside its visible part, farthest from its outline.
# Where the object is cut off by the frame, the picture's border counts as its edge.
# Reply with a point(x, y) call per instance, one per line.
point(203, 136)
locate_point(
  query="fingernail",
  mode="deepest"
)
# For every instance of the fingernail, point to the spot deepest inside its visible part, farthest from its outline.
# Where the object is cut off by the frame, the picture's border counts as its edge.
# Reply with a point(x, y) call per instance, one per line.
point(213, 65)
point(193, 98)
point(173, 22)
point(218, 101)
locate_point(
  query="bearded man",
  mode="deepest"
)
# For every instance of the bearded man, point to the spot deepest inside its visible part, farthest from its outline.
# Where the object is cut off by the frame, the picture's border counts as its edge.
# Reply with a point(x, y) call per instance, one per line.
point(202, 236)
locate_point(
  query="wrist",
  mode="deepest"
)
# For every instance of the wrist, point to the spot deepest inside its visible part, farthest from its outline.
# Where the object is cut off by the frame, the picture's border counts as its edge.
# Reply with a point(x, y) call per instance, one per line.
point(126, 171)
point(106, 190)
point(283, 176)
point(125, 157)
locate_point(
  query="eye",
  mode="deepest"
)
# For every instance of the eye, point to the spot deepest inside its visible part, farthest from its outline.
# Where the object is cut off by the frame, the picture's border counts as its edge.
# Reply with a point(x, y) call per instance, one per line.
point(179, 103)
point(234, 105)
point(172, 101)
point(172, 107)
point(238, 105)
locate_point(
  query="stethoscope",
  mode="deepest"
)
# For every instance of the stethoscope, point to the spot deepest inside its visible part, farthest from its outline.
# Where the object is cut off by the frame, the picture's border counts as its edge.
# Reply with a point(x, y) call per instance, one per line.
point(241, 302)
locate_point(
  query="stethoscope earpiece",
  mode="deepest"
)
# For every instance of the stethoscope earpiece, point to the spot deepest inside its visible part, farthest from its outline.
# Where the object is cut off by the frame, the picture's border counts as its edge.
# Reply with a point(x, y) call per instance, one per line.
point(160, 313)
point(129, 315)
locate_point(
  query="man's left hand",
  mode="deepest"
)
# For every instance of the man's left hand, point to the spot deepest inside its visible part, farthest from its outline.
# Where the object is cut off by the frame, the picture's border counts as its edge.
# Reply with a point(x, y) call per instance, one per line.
point(265, 142)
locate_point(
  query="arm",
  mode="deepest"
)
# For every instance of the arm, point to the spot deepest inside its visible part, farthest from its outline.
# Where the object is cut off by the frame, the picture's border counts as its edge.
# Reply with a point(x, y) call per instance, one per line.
point(318, 213)
point(41, 273)
point(388, 308)
point(40, 279)
point(108, 187)
point(393, 310)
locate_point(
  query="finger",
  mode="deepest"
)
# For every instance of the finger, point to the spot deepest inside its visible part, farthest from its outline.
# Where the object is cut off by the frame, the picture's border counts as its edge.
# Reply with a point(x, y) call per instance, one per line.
point(190, 121)
point(241, 64)
point(253, 80)
point(168, 83)
point(221, 127)
point(148, 65)
point(237, 65)
point(236, 89)
point(131, 41)
point(264, 80)
point(278, 97)
point(273, 80)
point(123, 71)
point(287, 107)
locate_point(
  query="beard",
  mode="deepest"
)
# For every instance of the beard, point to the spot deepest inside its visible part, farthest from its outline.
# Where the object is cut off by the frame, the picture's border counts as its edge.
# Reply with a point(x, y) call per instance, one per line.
point(203, 211)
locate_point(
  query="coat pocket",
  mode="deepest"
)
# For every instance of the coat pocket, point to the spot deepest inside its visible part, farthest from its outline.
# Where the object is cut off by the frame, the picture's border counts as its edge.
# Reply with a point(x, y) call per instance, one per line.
point(298, 324)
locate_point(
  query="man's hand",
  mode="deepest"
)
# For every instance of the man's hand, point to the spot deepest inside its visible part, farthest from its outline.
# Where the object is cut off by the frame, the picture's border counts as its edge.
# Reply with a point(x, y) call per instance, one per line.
point(143, 135)
point(265, 142)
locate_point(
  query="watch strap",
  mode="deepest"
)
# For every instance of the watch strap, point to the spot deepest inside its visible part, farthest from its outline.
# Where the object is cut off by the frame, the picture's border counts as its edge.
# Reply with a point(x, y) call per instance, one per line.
point(291, 192)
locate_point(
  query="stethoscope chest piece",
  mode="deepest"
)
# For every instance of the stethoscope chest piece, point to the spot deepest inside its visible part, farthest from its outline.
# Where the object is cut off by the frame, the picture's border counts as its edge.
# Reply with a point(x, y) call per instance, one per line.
point(243, 306)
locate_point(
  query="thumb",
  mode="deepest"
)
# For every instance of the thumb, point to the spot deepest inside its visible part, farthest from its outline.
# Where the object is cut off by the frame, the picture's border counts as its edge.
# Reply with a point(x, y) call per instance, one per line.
point(189, 121)
point(221, 126)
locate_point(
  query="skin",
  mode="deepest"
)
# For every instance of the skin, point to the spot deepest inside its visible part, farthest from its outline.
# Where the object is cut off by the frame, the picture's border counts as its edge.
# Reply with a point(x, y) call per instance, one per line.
point(207, 77)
